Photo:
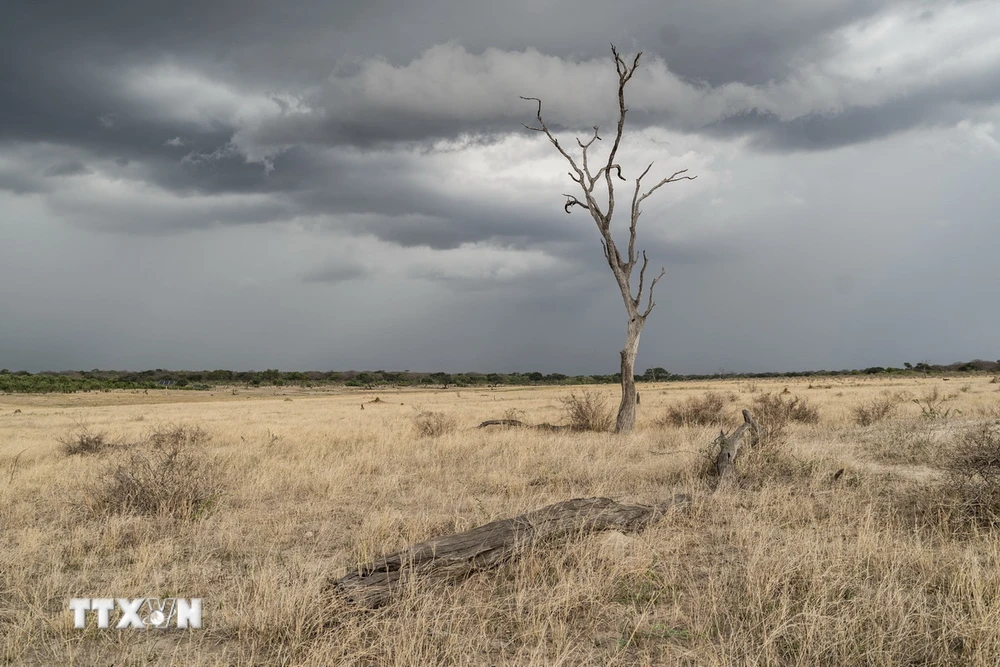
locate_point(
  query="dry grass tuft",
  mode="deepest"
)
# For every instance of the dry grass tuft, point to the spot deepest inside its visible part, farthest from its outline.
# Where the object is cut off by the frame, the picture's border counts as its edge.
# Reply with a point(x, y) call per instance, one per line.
point(587, 411)
point(905, 442)
point(972, 468)
point(164, 474)
point(877, 409)
point(83, 441)
point(932, 404)
point(706, 410)
point(429, 424)
point(774, 413)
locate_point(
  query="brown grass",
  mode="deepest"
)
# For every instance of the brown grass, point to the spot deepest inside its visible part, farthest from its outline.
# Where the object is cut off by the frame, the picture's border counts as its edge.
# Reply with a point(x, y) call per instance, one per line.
point(706, 410)
point(587, 410)
point(429, 424)
point(793, 566)
point(878, 408)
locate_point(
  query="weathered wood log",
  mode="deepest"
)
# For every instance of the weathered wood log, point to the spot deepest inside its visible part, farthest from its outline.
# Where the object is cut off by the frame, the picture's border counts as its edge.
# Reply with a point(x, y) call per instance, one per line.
point(454, 557)
point(729, 445)
point(553, 427)
point(502, 422)
point(516, 423)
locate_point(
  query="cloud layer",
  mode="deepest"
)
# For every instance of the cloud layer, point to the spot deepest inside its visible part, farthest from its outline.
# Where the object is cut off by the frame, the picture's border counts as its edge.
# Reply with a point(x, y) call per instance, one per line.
point(220, 171)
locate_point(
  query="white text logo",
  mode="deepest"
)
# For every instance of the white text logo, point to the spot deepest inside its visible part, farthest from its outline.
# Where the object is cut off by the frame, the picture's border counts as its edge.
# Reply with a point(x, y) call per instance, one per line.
point(139, 613)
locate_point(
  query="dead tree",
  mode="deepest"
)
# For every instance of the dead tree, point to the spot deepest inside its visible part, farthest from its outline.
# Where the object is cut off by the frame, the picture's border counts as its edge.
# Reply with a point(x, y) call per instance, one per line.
point(454, 557)
point(621, 265)
point(729, 446)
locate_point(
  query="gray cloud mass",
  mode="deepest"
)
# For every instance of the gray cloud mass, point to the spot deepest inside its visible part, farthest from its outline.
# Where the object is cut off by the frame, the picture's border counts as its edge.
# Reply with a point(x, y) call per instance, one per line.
point(347, 185)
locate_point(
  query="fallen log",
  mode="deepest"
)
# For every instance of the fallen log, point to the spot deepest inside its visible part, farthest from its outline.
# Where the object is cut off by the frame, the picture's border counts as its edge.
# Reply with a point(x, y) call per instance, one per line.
point(454, 557)
point(502, 422)
point(517, 423)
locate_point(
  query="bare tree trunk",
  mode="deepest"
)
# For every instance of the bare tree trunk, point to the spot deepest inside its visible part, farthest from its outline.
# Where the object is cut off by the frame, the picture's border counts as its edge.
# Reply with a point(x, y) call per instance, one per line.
point(629, 406)
point(730, 446)
point(621, 261)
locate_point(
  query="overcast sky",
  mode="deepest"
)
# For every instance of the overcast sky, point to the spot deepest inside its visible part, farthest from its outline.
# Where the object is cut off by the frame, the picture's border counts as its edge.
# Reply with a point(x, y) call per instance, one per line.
point(347, 185)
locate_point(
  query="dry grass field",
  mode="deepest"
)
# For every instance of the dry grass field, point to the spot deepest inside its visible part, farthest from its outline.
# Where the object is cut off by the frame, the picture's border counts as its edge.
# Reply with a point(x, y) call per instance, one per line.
point(276, 492)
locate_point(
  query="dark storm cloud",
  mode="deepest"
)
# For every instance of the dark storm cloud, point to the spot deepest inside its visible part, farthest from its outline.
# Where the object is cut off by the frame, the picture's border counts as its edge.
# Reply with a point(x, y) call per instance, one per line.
point(78, 54)
point(369, 155)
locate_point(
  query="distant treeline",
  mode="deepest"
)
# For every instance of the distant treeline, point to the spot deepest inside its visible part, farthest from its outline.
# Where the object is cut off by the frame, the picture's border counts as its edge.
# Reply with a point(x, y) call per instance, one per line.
point(98, 380)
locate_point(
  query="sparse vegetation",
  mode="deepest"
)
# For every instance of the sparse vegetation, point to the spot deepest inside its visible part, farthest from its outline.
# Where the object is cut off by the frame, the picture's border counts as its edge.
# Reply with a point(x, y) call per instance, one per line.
point(705, 410)
point(84, 441)
point(430, 424)
point(877, 409)
point(587, 411)
point(774, 412)
point(841, 546)
point(932, 404)
point(973, 473)
point(904, 442)
point(163, 474)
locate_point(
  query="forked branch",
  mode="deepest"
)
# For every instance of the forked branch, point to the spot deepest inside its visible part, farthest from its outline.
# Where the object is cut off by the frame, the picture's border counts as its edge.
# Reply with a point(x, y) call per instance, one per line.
point(581, 174)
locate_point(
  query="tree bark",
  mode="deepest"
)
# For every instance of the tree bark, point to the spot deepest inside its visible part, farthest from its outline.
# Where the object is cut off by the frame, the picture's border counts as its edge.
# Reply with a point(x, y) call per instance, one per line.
point(729, 446)
point(628, 408)
point(454, 557)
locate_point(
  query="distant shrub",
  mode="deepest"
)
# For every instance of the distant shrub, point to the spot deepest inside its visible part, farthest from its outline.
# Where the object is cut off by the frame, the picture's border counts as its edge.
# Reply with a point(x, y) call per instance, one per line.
point(433, 424)
point(706, 410)
point(587, 411)
point(165, 474)
point(877, 409)
point(85, 442)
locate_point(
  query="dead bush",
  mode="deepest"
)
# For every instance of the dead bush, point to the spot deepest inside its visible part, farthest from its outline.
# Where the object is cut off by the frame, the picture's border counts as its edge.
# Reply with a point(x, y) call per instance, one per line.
point(85, 442)
point(587, 411)
point(706, 410)
point(972, 473)
point(433, 424)
point(774, 413)
point(164, 474)
point(877, 409)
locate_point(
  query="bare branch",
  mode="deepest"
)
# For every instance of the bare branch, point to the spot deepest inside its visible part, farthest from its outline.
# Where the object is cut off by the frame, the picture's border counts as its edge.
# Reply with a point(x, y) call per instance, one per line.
point(624, 74)
point(578, 175)
point(573, 201)
point(642, 278)
point(634, 220)
point(672, 179)
point(652, 303)
point(586, 167)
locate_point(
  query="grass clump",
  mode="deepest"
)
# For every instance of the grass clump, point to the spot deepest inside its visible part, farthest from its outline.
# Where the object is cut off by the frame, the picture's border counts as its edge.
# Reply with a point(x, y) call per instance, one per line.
point(877, 409)
point(774, 413)
point(706, 410)
point(972, 474)
point(587, 411)
point(163, 474)
point(86, 442)
point(430, 424)
point(932, 405)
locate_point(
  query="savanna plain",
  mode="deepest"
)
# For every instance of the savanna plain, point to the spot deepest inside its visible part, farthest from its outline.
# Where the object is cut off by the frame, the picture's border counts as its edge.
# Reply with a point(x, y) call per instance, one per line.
point(859, 531)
